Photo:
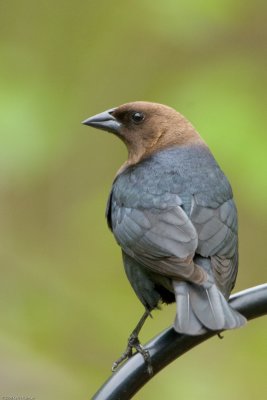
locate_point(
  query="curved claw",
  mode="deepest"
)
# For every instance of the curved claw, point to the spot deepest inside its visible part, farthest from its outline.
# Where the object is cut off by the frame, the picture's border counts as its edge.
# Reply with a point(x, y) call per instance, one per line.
point(134, 343)
point(125, 356)
point(145, 353)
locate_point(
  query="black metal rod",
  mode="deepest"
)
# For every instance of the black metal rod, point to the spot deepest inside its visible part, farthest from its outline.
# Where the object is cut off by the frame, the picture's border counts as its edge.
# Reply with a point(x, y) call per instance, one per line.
point(169, 345)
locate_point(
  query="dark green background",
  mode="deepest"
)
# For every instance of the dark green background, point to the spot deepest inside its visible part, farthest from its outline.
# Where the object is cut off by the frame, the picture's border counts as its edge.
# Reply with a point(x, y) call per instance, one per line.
point(66, 307)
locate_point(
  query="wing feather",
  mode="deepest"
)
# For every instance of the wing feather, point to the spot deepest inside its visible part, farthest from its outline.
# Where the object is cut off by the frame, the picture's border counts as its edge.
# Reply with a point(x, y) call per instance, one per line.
point(217, 229)
point(163, 240)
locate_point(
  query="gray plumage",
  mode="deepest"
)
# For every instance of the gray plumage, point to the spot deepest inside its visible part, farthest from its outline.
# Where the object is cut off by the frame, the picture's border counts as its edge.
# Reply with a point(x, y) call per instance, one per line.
point(171, 210)
point(174, 217)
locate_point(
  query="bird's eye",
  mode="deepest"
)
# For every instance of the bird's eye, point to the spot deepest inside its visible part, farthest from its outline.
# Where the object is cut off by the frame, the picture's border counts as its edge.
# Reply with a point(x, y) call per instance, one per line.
point(137, 117)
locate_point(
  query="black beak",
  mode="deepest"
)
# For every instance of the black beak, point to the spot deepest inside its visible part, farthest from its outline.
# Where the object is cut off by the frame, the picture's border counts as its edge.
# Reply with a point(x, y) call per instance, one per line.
point(104, 121)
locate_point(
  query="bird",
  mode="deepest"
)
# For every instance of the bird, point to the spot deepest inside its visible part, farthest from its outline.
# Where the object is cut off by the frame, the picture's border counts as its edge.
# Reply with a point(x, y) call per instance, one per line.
point(171, 210)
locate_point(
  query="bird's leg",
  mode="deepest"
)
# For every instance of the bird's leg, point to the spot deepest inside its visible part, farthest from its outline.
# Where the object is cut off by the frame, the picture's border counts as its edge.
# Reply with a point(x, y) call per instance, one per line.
point(134, 343)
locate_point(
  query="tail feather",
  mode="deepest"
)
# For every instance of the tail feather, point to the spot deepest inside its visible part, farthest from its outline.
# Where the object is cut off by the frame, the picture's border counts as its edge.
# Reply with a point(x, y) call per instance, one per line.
point(185, 320)
point(203, 307)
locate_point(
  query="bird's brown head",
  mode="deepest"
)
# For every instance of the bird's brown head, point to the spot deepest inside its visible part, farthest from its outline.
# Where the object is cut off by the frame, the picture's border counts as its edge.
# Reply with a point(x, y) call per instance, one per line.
point(146, 128)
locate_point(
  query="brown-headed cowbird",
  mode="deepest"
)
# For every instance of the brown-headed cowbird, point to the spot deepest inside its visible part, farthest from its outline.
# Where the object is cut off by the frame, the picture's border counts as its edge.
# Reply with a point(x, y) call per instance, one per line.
point(171, 210)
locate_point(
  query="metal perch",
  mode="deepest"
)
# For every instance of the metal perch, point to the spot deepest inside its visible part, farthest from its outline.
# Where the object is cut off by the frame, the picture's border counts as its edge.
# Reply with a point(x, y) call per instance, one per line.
point(169, 345)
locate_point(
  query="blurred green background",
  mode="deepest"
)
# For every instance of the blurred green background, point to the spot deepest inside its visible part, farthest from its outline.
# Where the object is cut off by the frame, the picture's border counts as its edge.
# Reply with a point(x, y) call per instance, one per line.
point(66, 307)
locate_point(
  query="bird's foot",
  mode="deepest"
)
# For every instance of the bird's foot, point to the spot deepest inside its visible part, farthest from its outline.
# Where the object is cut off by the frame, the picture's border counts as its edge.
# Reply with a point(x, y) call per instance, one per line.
point(134, 344)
